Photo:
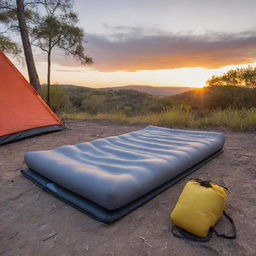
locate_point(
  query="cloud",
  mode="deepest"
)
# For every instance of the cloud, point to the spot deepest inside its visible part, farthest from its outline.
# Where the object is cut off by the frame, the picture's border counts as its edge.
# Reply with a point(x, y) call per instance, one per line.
point(133, 49)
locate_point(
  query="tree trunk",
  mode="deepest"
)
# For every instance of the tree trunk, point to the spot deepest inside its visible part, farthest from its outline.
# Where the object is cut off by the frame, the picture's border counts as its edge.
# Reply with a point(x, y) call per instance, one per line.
point(32, 73)
point(49, 77)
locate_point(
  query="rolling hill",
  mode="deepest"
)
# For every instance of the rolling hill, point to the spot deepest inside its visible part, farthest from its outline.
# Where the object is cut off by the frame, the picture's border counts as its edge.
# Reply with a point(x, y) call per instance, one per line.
point(154, 90)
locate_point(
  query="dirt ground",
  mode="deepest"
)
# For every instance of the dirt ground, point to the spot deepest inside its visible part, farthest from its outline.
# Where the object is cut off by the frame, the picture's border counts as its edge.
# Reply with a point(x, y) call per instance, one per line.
point(33, 222)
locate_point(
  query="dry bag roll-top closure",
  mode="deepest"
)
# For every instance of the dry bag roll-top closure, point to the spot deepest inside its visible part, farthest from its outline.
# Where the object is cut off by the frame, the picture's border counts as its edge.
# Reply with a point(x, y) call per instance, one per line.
point(199, 207)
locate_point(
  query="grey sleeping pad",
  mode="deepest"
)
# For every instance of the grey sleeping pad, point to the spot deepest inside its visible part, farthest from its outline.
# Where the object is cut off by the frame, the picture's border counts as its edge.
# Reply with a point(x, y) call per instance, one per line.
point(115, 171)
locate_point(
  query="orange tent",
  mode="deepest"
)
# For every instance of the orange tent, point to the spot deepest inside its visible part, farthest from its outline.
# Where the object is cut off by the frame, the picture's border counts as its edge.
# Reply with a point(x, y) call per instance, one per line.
point(23, 113)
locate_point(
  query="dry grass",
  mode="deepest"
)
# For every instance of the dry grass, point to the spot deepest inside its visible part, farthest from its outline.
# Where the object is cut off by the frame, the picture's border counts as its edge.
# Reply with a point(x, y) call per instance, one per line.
point(239, 120)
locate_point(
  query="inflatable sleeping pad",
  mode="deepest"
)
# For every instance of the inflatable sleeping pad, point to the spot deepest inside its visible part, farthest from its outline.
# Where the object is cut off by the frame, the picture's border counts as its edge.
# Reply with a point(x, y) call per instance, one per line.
point(107, 178)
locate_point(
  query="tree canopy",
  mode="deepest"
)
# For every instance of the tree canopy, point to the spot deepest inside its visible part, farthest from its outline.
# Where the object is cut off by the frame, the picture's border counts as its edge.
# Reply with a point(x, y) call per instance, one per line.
point(245, 77)
point(7, 15)
point(58, 28)
point(60, 31)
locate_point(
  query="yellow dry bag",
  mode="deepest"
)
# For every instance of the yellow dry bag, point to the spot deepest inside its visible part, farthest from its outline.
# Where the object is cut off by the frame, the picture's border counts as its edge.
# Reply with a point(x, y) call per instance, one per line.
point(199, 207)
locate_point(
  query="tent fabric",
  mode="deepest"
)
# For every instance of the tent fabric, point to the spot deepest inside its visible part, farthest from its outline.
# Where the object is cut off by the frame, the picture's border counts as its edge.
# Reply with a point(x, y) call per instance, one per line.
point(21, 107)
point(29, 133)
point(115, 171)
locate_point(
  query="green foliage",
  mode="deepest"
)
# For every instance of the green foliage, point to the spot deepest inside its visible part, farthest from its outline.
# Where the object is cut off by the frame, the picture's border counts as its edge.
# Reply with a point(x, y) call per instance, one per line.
point(59, 98)
point(109, 101)
point(9, 21)
point(217, 97)
point(237, 77)
point(60, 31)
point(8, 46)
point(229, 107)
point(132, 102)
point(94, 104)
point(7, 17)
point(237, 120)
point(185, 107)
point(57, 28)
point(7, 13)
point(127, 111)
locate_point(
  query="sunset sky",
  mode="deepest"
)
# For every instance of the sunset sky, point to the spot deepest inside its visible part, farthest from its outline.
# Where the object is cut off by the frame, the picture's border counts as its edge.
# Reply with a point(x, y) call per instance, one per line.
point(157, 42)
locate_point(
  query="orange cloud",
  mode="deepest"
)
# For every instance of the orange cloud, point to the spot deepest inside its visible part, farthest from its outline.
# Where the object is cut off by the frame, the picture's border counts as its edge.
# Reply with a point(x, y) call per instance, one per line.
point(134, 51)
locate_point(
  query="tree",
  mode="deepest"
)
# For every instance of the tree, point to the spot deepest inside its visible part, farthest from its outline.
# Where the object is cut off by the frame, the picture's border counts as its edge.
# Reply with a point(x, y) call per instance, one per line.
point(245, 77)
point(57, 28)
point(60, 98)
point(14, 15)
point(32, 72)
point(6, 44)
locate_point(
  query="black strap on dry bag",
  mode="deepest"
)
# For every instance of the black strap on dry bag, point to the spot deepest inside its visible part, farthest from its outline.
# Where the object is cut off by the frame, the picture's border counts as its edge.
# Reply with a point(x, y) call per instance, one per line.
point(181, 233)
point(233, 228)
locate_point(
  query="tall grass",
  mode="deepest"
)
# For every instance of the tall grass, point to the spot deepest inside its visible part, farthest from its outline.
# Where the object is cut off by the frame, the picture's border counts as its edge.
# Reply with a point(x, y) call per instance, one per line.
point(238, 120)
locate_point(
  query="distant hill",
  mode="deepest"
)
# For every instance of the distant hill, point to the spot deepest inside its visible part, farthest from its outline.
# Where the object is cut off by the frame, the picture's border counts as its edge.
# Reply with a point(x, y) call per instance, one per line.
point(100, 100)
point(154, 90)
point(128, 99)
point(134, 102)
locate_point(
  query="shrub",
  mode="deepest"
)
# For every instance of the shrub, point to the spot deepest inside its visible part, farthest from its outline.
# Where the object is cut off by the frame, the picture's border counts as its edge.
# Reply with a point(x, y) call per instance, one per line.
point(59, 99)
